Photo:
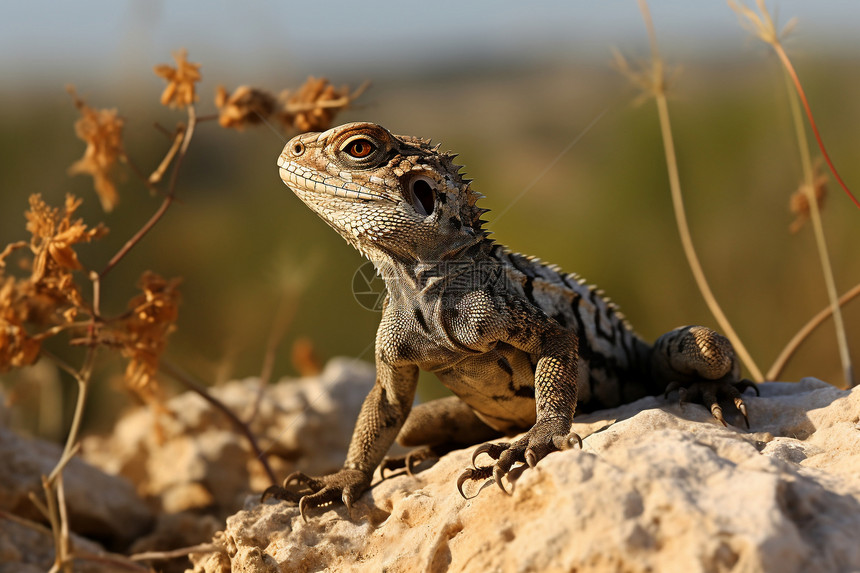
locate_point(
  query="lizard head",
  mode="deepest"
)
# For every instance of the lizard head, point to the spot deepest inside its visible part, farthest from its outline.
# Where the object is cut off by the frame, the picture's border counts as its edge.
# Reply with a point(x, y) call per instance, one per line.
point(385, 194)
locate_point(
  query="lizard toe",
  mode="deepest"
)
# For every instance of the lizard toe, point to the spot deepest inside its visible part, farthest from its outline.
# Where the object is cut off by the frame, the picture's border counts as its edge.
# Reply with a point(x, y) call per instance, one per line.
point(411, 460)
point(303, 479)
point(469, 474)
point(492, 449)
point(281, 493)
point(742, 384)
point(323, 497)
point(711, 393)
point(567, 442)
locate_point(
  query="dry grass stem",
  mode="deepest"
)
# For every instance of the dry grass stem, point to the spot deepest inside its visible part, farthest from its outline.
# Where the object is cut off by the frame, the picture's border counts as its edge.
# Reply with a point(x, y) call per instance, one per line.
point(168, 199)
point(174, 553)
point(782, 360)
point(38, 504)
point(189, 382)
point(764, 27)
point(820, 240)
point(156, 176)
point(657, 86)
point(65, 537)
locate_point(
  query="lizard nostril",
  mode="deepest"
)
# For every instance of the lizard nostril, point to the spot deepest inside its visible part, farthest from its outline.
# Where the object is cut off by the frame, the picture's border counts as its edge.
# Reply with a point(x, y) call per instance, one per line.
point(298, 148)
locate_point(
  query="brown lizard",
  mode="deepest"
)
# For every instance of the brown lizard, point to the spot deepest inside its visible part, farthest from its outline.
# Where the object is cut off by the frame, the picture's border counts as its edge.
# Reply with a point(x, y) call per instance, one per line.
point(520, 343)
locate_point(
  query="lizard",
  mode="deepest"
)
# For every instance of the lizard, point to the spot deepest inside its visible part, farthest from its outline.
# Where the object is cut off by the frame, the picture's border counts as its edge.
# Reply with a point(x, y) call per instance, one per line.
point(520, 343)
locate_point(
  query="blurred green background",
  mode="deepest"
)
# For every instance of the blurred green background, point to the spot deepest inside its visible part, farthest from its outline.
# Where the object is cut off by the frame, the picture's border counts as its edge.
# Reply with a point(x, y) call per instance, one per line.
point(508, 88)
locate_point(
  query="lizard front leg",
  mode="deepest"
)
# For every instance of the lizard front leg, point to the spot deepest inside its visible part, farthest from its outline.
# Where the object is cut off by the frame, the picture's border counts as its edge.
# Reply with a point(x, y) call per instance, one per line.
point(524, 326)
point(380, 419)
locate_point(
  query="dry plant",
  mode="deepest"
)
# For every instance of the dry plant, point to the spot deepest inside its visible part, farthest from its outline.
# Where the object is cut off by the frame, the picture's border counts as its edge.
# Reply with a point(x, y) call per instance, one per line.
point(50, 299)
point(764, 26)
point(653, 83)
point(805, 203)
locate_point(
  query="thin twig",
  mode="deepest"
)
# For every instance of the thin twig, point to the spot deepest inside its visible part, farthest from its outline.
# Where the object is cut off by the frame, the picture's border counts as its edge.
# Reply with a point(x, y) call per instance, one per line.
point(283, 318)
point(115, 561)
point(789, 68)
point(64, 461)
point(817, 226)
point(678, 202)
point(820, 240)
point(8, 250)
point(782, 360)
point(155, 176)
point(26, 522)
point(764, 26)
point(43, 509)
point(54, 330)
point(65, 538)
point(165, 204)
point(174, 553)
point(96, 279)
point(83, 378)
point(138, 172)
point(54, 519)
point(185, 379)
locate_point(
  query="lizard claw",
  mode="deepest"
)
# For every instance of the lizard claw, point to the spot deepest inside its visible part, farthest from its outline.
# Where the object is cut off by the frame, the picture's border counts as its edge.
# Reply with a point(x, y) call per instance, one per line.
point(745, 383)
point(566, 442)
point(473, 475)
point(717, 413)
point(347, 501)
point(303, 508)
point(710, 392)
point(531, 458)
point(548, 435)
point(410, 464)
point(498, 474)
point(742, 408)
point(279, 492)
point(491, 449)
point(344, 485)
point(412, 460)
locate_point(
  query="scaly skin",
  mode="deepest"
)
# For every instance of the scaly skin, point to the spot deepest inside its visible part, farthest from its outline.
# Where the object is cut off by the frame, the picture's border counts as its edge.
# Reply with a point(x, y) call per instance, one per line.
point(519, 342)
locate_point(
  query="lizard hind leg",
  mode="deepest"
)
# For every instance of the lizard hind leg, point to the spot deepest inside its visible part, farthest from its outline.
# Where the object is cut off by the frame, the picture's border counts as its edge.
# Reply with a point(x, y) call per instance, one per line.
point(434, 429)
point(701, 364)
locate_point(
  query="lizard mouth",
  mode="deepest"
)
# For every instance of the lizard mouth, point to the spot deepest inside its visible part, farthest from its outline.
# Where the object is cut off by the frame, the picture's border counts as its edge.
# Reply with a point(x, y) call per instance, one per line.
point(300, 178)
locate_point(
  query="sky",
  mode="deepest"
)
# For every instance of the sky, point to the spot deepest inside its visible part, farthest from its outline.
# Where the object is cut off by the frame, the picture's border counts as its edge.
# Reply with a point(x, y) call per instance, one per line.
point(44, 42)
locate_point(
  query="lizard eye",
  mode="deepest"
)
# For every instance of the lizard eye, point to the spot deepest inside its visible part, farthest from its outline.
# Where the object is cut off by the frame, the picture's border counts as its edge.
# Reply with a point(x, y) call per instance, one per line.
point(421, 194)
point(360, 148)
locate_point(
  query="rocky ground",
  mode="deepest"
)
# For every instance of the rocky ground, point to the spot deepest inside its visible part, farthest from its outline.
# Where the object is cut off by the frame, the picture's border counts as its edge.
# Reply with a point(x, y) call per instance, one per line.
point(656, 488)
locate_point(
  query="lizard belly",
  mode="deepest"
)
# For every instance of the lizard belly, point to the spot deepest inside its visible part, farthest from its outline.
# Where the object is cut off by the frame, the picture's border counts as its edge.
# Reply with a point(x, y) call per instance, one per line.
point(498, 385)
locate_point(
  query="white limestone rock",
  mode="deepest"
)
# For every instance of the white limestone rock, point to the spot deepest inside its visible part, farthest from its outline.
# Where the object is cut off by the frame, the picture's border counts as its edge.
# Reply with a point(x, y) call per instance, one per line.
point(656, 488)
point(193, 458)
point(102, 506)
